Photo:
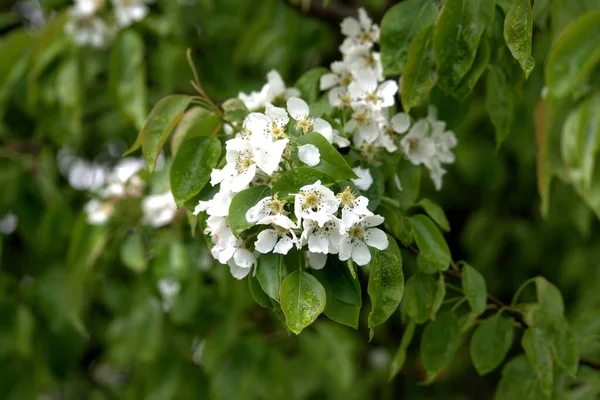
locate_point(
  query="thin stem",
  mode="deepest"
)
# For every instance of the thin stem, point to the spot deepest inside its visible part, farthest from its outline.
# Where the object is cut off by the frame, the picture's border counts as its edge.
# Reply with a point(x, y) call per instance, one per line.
point(460, 302)
point(520, 290)
point(454, 287)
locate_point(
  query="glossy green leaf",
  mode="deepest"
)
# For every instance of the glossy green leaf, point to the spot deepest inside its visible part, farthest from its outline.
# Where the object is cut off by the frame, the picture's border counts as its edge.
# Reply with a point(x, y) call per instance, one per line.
point(344, 298)
point(127, 76)
point(291, 181)
point(162, 119)
point(491, 342)
point(468, 82)
point(133, 254)
point(434, 254)
point(258, 294)
point(397, 225)
point(518, 30)
point(197, 122)
point(241, 203)
point(538, 353)
point(519, 382)
point(302, 299)
point(400, 357)
point(386, 283)
point(270, 272)
point(399, 26)
point(192, 166)
point(439, 343)
point(409, 176)
point(234, 110)
point(438, 298)
point(308, 84)
point(376, 190)
point(456, 36)
point(499, 102)
point(331, 161)
point(574, 55)
point(436, 213)
point(419, 295)
point(475, 289)
point(420, 74)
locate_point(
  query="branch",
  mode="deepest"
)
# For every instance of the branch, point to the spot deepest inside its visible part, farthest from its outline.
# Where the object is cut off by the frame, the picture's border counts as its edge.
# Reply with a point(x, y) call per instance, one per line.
point(332, 13)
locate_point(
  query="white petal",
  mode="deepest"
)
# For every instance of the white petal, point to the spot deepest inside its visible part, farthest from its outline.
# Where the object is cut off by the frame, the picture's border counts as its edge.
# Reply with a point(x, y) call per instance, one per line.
point(345, 248)
point(375, 237)
point(318, 244)
point(238, 272)
point(284, 245)
point(373, 220)
point(328, 81)
point(340, 141)
point(388, 90)
point(350, 27)
point(297, 108)
point(259, 211)
point(244, 258)
point(324, 128)
point(400, 122)
point(242, 181)
point(365, 180)
point(360, 253)
point(316, 260)
point(309, 154)
point(266, 240)
point(269, 157)
point(363, 18)
point(277, 115)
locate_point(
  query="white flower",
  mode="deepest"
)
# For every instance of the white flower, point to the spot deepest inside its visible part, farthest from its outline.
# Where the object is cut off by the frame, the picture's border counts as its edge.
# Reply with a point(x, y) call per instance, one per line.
point(116, 184)
point(359, 236)
point(168, 289)
point(400, 123)
point(277, 88)
point(218, 206)
point(299, 111)
point(269, 211)
point(159, 209)
point(315, 203)
point(353, 207)
point(86, 29)
point(98, 212)
point(241, 263)
point(316, 260)
point(309, 154)
point(130, 11)
point(340, 75)
point(418, 146)
point(254, 100)
point(364, 180)
point(365, 63)
point(368, 92)
point(8, 223)
point(88, 7)
point(277, 240)
point(322, 239)
point(241, 165)
point(361, 32)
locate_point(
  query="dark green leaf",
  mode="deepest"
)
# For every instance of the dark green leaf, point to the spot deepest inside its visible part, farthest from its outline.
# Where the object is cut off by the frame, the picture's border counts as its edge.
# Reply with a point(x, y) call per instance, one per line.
point(438, 299)
point(14, 51)
point(191, 168)
point(538, 353)
point(270, 272)
point(499, 102)
point(419, 296)
point(398, 225)
point(331, 163)
point(420, 75)
point(518, 27)
point(410, 180)
point(241, 203)
point(519, 382)
point(344, 299)
point(259, 296)
point(491, 342)
point(474, 288)
point(434, 254)
point(467, 83)
point(564, 347)
point(302, 299)
point(400, 357)
point(291, 181)
point(376, 190)
point(436, 213)
point(439, 343)
point(399, 26)
point(308, 84)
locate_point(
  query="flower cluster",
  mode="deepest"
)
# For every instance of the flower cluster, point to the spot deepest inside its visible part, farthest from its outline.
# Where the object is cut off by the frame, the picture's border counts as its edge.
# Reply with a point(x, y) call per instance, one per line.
point(89, 24)
point(356, 84)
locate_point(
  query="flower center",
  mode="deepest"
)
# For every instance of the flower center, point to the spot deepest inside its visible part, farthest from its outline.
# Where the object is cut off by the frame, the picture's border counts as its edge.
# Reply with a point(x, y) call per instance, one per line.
point(305, 125)
point(310, 201)
point(361, 118)
point(413, 145)
point(346, 198)
point(276, 132)
point(243, 162)
point(369, 152)
point(276, 206)
point(365, 37)
point(356, 232)
point(371, 61)
point(345, 79)
point(373, 97)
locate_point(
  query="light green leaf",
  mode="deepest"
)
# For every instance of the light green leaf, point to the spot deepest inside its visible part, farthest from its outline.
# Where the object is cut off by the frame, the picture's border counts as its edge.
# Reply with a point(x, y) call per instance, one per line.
point(519, 382)
point(133, 254)
point(398, 225)
point(192, 165)
point(469, 81)
point(499, 102)
point(270, 272)
point(400, 357)
point(234, 110)
point(474, 288)
point(420, 74)
point(419, 296)
point(331, 163)
point(574, 55)
point(564, 347)
point(308, 84)
point(518, 29)
point(195, 122)
point(162, 119)
point(434, 254)
point(551, 305)
point(491, 342)
point(291, 181)
point(399, 26)
point(456, 36)
point(241, 203)
point(14, 53)
point(538, 353)
point(439, 343)
point(436, 213)
point(302, 299)
point(127, 76)
point(386, 283)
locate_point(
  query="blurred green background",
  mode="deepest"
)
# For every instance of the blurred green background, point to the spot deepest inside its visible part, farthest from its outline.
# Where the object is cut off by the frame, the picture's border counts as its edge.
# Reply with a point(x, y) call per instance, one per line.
point(79, 319)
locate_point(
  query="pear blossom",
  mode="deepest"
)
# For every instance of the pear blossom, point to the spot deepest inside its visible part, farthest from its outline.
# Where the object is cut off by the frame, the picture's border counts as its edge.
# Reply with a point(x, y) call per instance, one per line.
point(98, 212)
point(159, 209)
point(359, 236)
point(277, 240)
point(315, 203)
point(299, 111)
point(309, 154)
point(129, 11)
point(417, 144)
point(375, 96)
point(168, 288)
point(359, 32)
point(269, 211)
point(316, 260)
point(88, 7)
point(86, 29)
point(321, 239)
point(364, 180)
point(273, 90)
point(241, 263)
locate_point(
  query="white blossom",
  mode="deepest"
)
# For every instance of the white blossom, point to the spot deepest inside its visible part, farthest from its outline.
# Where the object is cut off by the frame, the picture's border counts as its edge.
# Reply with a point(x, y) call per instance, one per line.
point(129, 11)
point(269, 211)
point(364, 180)
point(8, 223)
point(159, 209)
point(358, 236)
point(299, 111)
point(315, 203)
point(241, 263)
point(309, 154)
point(322, 239)
point(316, 260)
point(98, 212)
point(276, 240)
point(361, 32)
point(86, 29)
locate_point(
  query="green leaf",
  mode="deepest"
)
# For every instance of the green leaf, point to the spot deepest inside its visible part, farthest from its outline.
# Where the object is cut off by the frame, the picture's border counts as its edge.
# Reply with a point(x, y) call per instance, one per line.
point(538, 353)
point(398, 225)
point(270, 272)
point(436, 213)
point(438, 299)
point(302, 299)
point(14, 53)
point(420, 74)
point(241, 203)
point(331, 163)
point(439, 343)
point(491, 342)
point(456, 36)
point(469, 81)
point(419, 295)
point(434, 254)
point(308, 84)
point(195, 122)
point(400, 357)
point(551, 305)
point(191, 167)
point(564, 347)
point(474, 288)
point(518, 382)
point(127, 76)
point(234, 110)
point(399, 26)
point(499, 102)
point(376, 190)
point(386, 283)
point(162, 119)
point(518, 29)
point(410, 180)
point(133, 254)
point(574, 55)
point(344, 298)
point(291, 181)
point(259, 296)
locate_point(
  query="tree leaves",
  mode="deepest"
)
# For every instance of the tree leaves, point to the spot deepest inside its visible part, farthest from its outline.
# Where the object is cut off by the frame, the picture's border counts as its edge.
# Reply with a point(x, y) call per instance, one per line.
point(270, 271)
point(386, 283)
point(436, 213)
point(302, 299)
point(538, 353)
point(499, 102)
point(491, 342)
point(162, 119)
point(291, 181)
point(434, 254)
point(419, 295)
point(241, 203)
point(518, 382)
point(400, 357)
point(439, 343)
point(518, 27)
point(398, 28)
point(574, 55)
point(192, 166)
point(331, 162)
point(474, 287)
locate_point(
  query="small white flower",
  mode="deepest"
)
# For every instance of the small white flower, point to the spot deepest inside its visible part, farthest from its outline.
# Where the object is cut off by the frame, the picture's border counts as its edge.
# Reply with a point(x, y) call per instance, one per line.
point(315, 203)
point(88, 7)
point(277, 89)
point(353, 207)
point(361, 32)
point(254, 100)
point(365, 62)
point(98, 212)
point(359, 236)
point(367, 92)
point(400, 123)
point(9, 223)
point(364, 180)
point(241, 264)
point(299, 111)
point(129, 11)
point(241, 165)
point(322, 239)
point(309, 154)
point(218, 206)
point(159, 209)
point(86, 29)
point(269, 211)
point(418, 146)
point(276, 240)
point(316, 260)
